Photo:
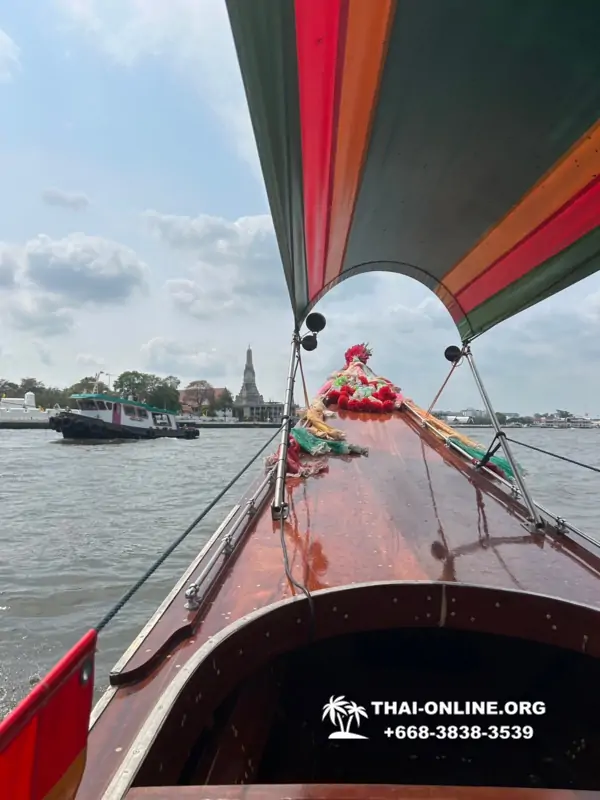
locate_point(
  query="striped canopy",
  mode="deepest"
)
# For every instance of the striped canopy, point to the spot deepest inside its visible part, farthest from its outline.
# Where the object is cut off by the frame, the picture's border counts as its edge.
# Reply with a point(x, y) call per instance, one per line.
point(454, 141)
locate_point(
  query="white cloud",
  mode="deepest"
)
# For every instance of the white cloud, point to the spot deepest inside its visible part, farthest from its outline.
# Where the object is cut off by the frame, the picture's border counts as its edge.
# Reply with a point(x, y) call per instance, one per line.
point(84, 269)
point(38, 313)
point(44, 354)
point(76, 201)
point(193, 36)
point(51, 278)
point(10, 58)
point(9, 267)
point(89, 361)
point(168, 357)
point(233, 266)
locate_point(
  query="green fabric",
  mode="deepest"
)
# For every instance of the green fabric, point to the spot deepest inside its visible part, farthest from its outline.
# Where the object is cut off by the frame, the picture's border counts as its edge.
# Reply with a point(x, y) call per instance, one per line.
point(452, 148)
point(318, 447)
point(479, 452)
point(573, 264)
point(265, 38)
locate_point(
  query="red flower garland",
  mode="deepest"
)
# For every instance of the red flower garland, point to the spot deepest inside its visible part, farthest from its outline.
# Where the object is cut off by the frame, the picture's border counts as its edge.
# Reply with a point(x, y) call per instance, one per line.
point(361, 351)
point(383, 400)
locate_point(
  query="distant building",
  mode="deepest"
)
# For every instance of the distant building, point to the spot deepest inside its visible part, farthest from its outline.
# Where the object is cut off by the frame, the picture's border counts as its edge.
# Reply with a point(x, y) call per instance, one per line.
point(250, 403)
point(249, 396)
point(199, 395)
point(472, 412)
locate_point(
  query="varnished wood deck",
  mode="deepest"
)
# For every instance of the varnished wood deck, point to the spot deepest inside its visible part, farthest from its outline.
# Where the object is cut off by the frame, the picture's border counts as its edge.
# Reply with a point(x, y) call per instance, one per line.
point(411, 510)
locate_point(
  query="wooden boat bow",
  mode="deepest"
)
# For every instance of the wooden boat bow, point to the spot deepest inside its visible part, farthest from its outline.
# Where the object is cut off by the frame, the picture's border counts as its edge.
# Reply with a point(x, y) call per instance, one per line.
point(410, 537)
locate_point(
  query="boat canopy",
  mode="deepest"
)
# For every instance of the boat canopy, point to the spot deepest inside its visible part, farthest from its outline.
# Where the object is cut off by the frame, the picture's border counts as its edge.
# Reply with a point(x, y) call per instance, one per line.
point(113, 399)
point(455, 142)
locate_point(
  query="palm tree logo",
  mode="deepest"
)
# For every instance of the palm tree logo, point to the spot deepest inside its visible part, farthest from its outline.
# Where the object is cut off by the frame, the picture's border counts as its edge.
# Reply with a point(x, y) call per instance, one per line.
point(339, 708)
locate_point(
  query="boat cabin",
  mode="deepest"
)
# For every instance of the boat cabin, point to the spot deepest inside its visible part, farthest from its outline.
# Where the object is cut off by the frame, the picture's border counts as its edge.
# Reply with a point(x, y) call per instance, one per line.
point(123, 411)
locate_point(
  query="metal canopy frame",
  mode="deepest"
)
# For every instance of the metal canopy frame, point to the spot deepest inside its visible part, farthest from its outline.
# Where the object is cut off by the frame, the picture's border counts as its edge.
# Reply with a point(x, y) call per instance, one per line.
point(279, 507)
point(537, 520)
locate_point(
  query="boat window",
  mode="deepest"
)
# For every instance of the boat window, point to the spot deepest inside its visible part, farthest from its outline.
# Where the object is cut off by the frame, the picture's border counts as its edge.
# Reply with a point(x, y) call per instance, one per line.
point(101, 406)
point(129, 410)
point(87, 405)
point(109, 405)
point(142, 413)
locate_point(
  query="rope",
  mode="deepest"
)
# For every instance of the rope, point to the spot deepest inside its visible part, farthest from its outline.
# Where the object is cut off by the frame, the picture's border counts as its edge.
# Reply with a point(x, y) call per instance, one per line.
point(553, 455)
point(306, 400)
point(443, 386)
point(163, 557)
point(300, 586)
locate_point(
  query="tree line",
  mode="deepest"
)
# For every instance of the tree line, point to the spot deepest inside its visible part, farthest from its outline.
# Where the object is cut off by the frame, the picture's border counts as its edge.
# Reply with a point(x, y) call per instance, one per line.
point(142, 386)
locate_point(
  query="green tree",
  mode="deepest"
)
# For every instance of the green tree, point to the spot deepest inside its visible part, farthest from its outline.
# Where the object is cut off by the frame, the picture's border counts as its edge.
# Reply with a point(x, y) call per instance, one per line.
point(86, 385)
point(172, 380)
point(200, 393)
point(133, 383)
point(8, 388)
point(149, 388)
point(50, 396)
point(501, 417)
point(164, 395)
point(561, 414)
point(225, 400)
point(30, 385)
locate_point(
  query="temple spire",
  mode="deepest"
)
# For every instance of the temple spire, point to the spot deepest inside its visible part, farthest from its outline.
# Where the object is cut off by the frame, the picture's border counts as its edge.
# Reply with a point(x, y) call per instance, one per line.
point(249, 394)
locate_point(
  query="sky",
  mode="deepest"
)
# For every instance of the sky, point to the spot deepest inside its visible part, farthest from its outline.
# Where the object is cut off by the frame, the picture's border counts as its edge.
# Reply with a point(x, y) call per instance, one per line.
point(135, 231)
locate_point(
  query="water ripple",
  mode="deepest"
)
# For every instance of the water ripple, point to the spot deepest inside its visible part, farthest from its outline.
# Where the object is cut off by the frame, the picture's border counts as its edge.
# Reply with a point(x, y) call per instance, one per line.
point(80, 524)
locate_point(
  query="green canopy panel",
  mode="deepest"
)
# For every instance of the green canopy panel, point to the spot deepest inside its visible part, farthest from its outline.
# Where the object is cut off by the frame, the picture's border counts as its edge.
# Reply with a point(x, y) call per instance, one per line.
point(456, 142)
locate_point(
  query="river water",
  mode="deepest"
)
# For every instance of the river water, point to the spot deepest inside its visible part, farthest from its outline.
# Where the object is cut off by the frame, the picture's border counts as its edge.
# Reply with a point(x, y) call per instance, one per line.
point(80, 523)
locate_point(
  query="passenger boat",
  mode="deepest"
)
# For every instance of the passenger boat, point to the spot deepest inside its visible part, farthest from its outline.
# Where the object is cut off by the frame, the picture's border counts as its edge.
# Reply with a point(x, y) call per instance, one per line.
point(102, 416)
point(458, 143)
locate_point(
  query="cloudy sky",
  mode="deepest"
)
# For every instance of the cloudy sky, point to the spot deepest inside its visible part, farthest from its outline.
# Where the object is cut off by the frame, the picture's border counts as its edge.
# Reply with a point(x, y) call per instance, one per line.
point(135, 233)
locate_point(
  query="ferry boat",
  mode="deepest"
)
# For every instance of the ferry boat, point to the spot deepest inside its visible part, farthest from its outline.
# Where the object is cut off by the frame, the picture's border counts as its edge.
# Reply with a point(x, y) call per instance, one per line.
point(388, 613)
point(19, 412)
point(102, 416)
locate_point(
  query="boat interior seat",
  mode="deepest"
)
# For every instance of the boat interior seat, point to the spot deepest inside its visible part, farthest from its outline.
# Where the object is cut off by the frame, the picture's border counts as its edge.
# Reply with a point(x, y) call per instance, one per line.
point(248, 709)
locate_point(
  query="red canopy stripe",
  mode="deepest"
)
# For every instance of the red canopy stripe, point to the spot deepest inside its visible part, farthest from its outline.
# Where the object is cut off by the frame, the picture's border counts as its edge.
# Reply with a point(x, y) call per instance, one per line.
point(318, 36)
point(578, 217)
point(361, 60)
point(407, 136)
point(563, 181)
point(43, 740)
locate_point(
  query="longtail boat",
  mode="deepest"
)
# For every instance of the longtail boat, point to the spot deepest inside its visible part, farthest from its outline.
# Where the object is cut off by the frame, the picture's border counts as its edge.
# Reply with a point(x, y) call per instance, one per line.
point(387, 613)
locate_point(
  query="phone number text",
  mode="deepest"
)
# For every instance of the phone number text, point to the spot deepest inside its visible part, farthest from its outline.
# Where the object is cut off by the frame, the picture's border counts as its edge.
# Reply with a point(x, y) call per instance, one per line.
point(460, 732)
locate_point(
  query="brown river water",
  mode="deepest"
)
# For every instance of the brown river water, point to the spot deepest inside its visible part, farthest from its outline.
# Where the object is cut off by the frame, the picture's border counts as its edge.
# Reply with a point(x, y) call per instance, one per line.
point(80, 523)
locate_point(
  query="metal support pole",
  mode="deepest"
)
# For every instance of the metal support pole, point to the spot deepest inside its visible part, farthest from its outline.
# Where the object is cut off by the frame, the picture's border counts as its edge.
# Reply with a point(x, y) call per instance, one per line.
point(279, 508)
point(535, 516)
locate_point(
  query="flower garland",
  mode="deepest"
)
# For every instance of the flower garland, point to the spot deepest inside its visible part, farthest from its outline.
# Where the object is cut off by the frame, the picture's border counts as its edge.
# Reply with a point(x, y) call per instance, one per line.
point(360, 352)
point(357, 388)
